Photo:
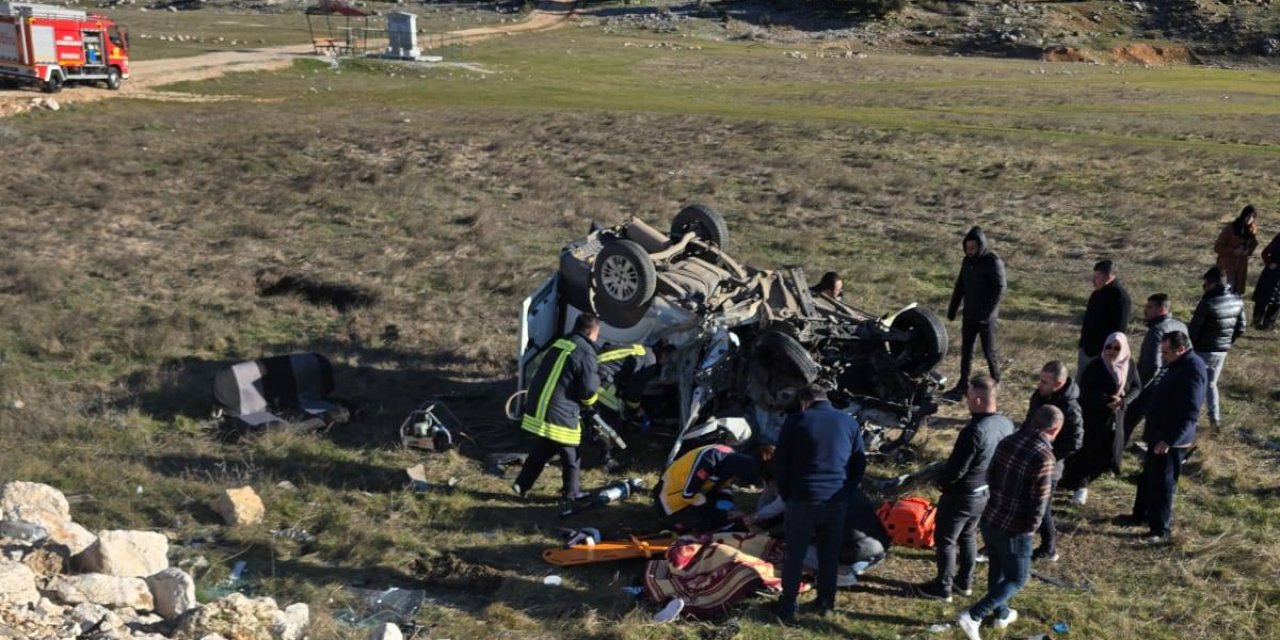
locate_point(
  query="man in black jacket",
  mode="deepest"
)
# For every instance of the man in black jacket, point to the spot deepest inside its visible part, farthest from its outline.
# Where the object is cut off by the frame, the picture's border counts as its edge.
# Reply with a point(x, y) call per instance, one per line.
point(1056, 388)
point(964, 491)
point(1217, 323)
point(1106, 313)
point(1170, 433)
point(980, 286)
point(566, 383)
point(1160, 321)
point(819, 458)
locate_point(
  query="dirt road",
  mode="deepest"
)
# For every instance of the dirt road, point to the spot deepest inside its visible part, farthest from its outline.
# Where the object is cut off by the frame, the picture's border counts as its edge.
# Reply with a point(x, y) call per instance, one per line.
point(147, 75)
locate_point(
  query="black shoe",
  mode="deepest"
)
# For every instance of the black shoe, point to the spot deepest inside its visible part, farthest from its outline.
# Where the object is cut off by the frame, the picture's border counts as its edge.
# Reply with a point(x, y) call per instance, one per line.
point(1042, 554)
point(1128, 520)
point(956, 394)
point(931, 591)
point(785, 614)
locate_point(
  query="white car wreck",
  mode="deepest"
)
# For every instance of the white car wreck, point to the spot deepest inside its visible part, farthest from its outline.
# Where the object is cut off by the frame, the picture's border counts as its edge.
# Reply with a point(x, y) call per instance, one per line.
point(746, 340)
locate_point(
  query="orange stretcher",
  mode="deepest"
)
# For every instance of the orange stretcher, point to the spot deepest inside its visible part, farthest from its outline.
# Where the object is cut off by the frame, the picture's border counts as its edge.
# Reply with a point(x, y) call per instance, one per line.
point(607, 551)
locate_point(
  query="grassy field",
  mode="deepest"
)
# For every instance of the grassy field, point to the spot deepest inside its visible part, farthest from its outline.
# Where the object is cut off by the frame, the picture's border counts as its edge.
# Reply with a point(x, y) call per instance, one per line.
point(447, 191)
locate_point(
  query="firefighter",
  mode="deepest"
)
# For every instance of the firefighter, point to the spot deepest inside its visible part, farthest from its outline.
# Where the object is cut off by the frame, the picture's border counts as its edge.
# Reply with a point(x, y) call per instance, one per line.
point(624, 372)
point(565, 386)
point(692, 496)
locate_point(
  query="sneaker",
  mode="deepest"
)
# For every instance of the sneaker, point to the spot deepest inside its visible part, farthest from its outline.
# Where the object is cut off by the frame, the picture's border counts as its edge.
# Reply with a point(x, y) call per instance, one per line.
point(1080, 496)
point(956, 394)
point(1003, 623)
point(670, 612)
point(1044, 554)
point(515, 488)
point(847, 579)
point(981, 558)
point(1155, 539)
point(931, 591)
point(968, 625)
point(964, 591)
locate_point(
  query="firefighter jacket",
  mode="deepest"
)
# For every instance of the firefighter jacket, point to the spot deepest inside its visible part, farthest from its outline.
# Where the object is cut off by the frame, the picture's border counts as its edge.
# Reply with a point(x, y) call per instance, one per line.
point(566, 381)
point(700, 471)
point(624, 372)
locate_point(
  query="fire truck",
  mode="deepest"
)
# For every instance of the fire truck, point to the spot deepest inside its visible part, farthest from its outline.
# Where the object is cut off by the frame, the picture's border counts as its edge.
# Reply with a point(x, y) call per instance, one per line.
point(50, 46)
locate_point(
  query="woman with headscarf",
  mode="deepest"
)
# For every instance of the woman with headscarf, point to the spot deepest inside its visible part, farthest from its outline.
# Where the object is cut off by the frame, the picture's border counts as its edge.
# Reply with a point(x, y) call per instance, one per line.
point(1107, 386)
point(1266, 296)
point(1238, 241)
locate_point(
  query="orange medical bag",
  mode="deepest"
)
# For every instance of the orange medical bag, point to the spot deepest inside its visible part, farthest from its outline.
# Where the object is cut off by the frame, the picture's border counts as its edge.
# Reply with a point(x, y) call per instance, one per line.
point(909, 521)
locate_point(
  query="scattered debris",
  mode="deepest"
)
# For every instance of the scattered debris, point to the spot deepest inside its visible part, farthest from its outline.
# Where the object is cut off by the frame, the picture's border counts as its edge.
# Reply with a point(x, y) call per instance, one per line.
point(392, 605)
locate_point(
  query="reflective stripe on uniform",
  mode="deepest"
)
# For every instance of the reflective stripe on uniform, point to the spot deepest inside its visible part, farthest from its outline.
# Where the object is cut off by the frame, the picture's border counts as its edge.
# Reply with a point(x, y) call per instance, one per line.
point(609, 397)
point(619, 354)
point(537, 423)
point(571, 436)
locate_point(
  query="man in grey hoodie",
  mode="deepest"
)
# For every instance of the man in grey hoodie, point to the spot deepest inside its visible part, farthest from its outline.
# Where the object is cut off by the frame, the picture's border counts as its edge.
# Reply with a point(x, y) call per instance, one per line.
point(980, 286)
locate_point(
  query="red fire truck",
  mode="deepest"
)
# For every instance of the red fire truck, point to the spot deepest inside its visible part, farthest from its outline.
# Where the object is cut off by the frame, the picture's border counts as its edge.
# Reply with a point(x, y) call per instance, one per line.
point(51, 46)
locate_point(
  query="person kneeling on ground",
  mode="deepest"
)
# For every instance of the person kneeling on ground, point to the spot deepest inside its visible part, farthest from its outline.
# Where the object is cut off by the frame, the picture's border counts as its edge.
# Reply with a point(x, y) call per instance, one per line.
point(692, 493)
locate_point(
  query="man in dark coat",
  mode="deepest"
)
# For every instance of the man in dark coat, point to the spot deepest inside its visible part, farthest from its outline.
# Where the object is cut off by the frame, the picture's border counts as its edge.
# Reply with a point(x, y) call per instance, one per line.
point(1106, 313)
point(979, 287)
point(566, 384)
point(1217, 323)
point(964, 492)
point(820, 454)
point(1160, 321)
point(1056, 388)
point(1170, 433)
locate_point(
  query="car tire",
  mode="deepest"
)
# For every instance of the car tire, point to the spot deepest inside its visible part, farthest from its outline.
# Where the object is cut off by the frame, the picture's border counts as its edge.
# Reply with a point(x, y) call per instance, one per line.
point(927, 344)
point(786, 349)
point(623, 276)
point(704, 222)
point(113, 78)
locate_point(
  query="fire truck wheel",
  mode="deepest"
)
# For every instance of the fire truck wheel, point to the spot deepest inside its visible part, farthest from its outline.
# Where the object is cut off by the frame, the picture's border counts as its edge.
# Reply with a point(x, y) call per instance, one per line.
point(113, 78)
point(53, 84)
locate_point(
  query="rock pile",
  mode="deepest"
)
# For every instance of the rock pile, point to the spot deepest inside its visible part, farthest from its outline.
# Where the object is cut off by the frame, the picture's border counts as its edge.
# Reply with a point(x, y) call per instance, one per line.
point(122, 587)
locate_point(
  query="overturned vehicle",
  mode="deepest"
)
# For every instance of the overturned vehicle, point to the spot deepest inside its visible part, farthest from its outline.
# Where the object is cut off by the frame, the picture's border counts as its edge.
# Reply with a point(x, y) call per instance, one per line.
point(744, 341)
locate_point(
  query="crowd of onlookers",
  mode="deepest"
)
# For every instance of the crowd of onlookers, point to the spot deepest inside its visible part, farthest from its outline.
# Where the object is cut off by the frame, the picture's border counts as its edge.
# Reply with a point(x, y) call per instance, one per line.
point(1000, 479)
point(1000, 475)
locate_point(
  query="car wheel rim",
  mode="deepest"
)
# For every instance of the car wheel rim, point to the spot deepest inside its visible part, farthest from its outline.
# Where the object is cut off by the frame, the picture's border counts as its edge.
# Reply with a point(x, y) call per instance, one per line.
point(619, 278)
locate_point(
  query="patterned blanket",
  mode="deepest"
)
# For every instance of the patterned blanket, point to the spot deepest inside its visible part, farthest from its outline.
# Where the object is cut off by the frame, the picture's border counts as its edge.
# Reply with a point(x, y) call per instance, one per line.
point(711, 572)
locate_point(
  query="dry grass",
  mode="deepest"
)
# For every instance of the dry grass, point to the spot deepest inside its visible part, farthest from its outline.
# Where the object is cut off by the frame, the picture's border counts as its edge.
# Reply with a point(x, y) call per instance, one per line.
point(447, 197)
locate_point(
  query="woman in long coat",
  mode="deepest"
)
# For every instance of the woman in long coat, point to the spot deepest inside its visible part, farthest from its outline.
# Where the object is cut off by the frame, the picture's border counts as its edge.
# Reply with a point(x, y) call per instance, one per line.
point(1108, 385)
point(1238, 241)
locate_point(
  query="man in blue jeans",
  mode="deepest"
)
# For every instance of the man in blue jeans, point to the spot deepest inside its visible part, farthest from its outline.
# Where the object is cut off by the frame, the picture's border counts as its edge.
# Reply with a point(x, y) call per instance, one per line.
point(1020, 478)
point(819, 455)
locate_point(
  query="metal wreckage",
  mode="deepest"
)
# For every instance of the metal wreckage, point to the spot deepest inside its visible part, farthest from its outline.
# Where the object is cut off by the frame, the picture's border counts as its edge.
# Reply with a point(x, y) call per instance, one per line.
point(744, 341)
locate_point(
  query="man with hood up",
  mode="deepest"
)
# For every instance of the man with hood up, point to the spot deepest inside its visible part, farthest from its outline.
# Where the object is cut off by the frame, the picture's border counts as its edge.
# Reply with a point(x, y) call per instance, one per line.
point(980, 286)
